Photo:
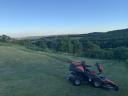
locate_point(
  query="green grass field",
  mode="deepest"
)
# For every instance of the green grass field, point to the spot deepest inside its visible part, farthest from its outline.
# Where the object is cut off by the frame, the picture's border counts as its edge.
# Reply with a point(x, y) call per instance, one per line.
point(25, 72)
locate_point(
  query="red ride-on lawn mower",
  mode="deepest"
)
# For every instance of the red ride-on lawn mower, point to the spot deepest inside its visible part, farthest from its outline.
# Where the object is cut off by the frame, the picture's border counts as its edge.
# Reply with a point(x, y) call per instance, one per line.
point(80, 72)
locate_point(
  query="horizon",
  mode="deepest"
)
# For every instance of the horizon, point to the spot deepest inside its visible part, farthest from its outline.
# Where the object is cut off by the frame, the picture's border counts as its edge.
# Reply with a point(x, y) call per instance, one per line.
point(23, 18)
point(48, 35)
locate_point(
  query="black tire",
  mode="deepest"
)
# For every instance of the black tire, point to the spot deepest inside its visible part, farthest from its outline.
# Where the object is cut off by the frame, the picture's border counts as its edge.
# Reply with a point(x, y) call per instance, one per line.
point(77, 82)
point(116, 88)
point(97, 83)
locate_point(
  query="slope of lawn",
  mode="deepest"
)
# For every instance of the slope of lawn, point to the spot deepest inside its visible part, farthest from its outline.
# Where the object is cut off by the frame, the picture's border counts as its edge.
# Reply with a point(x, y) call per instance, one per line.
point(25, 72)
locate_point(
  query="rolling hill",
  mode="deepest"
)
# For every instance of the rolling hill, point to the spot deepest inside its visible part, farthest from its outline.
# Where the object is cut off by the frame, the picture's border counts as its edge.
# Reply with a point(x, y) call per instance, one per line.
point(116, 34)
point(107, 45)
point(25, 72)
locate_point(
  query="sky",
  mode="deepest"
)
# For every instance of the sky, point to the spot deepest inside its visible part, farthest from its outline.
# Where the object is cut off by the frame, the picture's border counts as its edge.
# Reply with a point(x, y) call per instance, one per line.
point(21, 18)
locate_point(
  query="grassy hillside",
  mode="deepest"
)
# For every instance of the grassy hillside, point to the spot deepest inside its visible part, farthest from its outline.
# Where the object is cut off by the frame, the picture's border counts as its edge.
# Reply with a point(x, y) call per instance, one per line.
point(32, 73)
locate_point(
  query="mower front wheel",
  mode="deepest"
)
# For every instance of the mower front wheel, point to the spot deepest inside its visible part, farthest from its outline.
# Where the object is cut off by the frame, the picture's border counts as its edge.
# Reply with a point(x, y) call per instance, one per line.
point(96, 83)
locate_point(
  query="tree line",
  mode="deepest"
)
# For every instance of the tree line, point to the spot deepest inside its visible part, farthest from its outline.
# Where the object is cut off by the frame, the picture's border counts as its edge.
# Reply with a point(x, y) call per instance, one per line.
point(78, 47)
point(109, 45)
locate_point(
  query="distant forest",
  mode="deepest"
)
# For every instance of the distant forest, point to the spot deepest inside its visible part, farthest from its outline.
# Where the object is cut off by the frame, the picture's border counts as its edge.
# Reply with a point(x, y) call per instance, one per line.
point(109, 45)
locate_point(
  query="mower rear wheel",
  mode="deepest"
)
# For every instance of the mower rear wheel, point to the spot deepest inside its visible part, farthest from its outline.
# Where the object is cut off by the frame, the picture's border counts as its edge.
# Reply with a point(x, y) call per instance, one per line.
point(77, 82)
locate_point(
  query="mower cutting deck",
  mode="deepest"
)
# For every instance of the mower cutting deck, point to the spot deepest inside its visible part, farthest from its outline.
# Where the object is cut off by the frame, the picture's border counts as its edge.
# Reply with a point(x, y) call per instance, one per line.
point(80, 72)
